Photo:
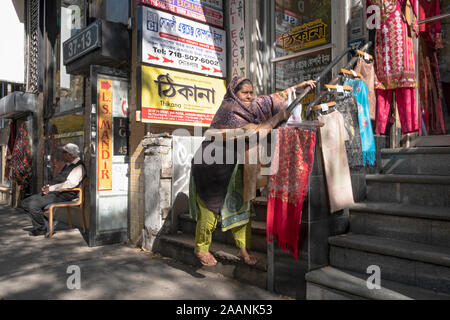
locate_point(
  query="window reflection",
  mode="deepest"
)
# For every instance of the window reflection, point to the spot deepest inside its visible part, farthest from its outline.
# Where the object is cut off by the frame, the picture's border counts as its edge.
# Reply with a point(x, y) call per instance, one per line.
point(68, 89)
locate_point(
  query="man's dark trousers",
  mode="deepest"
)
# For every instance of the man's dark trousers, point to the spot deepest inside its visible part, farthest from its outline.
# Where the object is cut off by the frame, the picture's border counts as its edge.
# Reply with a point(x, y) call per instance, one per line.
point(35, 204)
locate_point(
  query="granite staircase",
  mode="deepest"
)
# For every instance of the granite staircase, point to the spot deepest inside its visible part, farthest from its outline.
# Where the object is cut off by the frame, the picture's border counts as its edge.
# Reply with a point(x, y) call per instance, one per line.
point(403, 227)
point(180, 246)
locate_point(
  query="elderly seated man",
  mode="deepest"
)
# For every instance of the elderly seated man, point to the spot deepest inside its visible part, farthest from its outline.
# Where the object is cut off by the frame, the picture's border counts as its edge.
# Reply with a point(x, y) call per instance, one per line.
point(70, 176)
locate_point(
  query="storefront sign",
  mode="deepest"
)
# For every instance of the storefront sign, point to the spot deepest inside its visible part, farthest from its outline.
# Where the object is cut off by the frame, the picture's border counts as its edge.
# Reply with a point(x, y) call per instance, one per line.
point(305, 36)
point(172, 97)
point(237, 39)
point(210, 12)
point(105, 135)
point(83, 42)
point(179, 43)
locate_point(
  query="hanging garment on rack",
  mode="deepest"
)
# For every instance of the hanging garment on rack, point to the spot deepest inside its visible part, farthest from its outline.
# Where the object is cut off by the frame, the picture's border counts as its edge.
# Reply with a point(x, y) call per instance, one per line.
point(368, 76)
point(394, 49)
point(337, 171)
point(395, 64)
point(348, 107)
point(291, 166)
point(430, 86)
point(406, 104)
point(360, 92)
point(21, 159)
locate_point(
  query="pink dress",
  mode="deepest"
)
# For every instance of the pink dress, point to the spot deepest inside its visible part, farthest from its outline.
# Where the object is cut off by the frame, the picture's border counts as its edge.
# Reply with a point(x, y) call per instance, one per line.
point(395, 66)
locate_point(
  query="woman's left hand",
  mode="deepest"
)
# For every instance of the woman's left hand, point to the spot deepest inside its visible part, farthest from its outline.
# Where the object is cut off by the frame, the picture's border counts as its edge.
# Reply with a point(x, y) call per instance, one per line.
point(310, 83)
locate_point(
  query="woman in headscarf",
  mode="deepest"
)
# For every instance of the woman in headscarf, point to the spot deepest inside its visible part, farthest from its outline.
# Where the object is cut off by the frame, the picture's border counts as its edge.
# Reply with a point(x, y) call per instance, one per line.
point(216, 190)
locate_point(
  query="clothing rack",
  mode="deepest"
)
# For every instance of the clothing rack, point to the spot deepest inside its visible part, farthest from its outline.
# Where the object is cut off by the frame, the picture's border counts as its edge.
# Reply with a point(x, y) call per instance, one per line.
point(336, 79)
point(302, 95)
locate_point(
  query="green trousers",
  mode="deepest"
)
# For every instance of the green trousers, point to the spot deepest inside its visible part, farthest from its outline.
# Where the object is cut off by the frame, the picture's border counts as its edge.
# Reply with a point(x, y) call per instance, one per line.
point(206, 224)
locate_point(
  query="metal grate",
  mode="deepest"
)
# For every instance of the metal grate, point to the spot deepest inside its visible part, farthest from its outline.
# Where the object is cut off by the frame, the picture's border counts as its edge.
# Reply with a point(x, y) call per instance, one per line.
point(33, 46)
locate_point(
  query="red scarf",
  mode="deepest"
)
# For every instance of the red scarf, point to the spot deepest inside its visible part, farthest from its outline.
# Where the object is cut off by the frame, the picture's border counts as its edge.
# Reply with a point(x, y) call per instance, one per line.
point(288, 186)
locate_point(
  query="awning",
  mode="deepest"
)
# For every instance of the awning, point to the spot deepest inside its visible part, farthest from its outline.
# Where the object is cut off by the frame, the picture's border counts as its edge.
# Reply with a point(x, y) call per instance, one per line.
point(17, 104)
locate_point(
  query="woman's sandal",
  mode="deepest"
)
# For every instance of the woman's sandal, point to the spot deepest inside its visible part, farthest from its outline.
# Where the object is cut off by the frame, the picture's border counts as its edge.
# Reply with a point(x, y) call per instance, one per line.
point(206, 259)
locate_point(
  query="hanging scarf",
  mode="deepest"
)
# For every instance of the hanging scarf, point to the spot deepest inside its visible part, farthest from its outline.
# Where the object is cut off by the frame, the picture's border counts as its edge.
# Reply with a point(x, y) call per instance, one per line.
point(21, 160)
point(360, 92)
point(292, 163)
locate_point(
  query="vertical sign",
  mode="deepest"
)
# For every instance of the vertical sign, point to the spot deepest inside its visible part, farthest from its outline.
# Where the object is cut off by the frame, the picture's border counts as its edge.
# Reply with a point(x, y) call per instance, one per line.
point(237, 38)
point(105, 135)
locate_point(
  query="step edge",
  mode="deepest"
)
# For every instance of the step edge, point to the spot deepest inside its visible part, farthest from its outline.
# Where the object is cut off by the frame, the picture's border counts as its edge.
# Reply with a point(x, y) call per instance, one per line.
point(330, 281)
point(419, 254)
point(396, 209)
point(413, 179)
point(215, 248)
point(416, 151)
point(357, 287)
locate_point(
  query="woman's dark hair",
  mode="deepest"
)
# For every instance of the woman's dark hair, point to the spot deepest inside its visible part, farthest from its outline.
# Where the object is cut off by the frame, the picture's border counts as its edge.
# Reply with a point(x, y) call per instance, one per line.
point(241, 84)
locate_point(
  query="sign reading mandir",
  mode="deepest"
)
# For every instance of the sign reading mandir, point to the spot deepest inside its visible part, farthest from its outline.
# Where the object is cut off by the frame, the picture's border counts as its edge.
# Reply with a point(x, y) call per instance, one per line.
point(172, 97)
point(180, 43)
point(207, 11)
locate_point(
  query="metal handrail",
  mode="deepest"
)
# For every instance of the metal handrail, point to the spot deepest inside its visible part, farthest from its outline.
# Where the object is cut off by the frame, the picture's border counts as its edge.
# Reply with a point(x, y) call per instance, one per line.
point(294, 104)
point(435, 18)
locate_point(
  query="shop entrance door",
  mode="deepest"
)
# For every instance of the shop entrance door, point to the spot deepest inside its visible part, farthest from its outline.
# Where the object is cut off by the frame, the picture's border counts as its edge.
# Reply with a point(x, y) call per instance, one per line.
point(433, 65)
point(109, 157)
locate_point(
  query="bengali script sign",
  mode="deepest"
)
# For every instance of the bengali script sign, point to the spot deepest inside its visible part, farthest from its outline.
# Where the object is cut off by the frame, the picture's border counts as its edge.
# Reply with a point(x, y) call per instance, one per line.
point(172, 97)
point(180, 43)
point(105, 135)
point(192, 9)
point(305, 36)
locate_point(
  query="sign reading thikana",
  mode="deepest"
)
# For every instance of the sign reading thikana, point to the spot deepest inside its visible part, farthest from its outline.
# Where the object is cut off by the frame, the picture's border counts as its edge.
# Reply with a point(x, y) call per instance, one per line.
point(210, 12)
point(179, 43)
point(172, 97)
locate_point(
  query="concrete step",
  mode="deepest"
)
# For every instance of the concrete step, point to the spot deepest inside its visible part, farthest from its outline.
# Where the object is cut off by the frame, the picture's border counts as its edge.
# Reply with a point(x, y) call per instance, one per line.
point(406, 262)
point(409, 189)
point(258, 241)
point(329, 283)
point(417, 161)
point(181, 247)
point(427, 225)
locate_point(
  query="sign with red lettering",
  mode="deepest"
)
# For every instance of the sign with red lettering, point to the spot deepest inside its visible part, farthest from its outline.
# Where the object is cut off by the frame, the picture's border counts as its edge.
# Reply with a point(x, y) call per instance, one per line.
point(238, 54)
point(210, 12)
point(105, 135)
point(175, 42)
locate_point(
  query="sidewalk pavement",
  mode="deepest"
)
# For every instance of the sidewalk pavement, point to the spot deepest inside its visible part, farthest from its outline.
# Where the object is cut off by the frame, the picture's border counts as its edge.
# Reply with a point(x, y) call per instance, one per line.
point(37, 268)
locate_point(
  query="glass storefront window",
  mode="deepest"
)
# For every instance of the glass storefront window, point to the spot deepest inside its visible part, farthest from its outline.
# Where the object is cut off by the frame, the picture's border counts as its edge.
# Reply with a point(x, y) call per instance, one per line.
point(301, 25)
point(62, 130)
point(67, 89)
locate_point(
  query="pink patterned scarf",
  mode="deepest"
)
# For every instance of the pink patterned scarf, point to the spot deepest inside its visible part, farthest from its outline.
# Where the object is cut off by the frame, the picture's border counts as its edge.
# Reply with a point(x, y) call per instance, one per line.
point(288, 186)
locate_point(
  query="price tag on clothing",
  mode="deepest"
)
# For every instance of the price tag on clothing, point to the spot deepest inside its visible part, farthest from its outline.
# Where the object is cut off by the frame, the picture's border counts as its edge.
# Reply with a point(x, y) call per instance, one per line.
point(324, 107)
point(340, 89)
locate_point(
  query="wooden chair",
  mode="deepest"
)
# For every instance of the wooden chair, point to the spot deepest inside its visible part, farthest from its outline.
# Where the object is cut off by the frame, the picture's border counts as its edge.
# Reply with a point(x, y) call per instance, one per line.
point(49, 209)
